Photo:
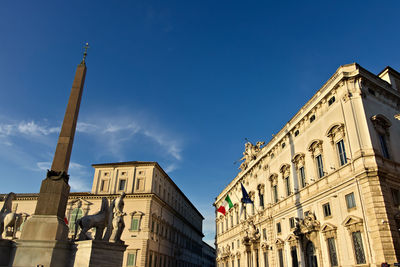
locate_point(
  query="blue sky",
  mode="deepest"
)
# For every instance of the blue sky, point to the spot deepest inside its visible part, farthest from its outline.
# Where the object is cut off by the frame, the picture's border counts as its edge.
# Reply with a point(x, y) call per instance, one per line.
point(177, 82)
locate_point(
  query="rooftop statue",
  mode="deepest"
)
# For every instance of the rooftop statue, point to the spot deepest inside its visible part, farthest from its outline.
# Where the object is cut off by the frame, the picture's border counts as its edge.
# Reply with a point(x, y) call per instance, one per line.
point(250, 153)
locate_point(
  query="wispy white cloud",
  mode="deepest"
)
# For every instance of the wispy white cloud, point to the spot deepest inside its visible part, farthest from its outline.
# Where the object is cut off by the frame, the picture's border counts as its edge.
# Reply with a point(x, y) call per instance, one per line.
point(171, 145)
point(112, 134)
point(26, 128)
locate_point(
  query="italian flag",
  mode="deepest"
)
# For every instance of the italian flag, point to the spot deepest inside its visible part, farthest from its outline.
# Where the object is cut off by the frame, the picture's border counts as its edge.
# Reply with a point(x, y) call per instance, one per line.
point(226, 205)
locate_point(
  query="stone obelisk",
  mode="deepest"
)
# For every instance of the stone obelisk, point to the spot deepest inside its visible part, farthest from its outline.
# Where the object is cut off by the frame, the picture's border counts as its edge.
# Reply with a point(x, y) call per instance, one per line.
point(44, 237)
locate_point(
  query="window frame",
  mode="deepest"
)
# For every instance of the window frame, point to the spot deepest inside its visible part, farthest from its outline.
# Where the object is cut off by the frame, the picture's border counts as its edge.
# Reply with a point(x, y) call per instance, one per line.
point(353, 201)
point(134, 254)
point(342, 157)
point(326, 208)
point(319, 164)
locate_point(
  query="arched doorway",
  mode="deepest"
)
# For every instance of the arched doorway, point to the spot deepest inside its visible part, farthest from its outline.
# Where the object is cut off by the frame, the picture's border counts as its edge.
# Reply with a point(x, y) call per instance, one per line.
point(311, 256)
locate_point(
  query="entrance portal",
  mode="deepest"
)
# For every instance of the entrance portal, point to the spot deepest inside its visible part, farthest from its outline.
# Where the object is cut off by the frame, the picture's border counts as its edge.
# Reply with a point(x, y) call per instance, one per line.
point(311, 257)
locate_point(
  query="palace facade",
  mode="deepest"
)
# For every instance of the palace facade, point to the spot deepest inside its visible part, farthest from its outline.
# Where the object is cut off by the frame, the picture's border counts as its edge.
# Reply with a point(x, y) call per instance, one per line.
point(326, 187)
point(162, 227)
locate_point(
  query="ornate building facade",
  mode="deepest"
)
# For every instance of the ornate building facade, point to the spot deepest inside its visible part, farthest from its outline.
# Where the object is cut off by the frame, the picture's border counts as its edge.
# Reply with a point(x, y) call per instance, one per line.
point(162, 227)
point(326, 187)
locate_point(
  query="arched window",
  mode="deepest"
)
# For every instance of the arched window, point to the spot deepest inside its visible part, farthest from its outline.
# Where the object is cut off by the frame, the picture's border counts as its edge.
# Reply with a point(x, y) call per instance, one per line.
point(75, 215)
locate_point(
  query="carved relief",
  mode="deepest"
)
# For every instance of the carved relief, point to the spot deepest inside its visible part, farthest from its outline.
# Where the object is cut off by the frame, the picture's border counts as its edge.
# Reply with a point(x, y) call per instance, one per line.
point(307, 225)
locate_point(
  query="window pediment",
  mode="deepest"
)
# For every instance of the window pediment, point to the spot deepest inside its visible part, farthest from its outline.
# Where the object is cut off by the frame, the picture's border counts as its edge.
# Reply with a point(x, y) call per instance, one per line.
point(299, 159)
point(381, 123)
point(291, 239)
point(328, 227)
point(315, 144)
point(279, 242)
point(315, 147)
point(273, 178)
point(353, 223)
point(285, 169)
point(335, 132)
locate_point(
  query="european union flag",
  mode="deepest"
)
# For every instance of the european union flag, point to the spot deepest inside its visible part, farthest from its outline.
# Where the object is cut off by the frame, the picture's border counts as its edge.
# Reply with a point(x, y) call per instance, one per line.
point(246, 198)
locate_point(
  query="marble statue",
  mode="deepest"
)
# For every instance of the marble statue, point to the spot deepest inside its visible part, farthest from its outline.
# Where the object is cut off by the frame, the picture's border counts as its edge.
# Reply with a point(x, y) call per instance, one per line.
point(98, 221)
point(6, 213)
point(118, 223)
point(250, 153)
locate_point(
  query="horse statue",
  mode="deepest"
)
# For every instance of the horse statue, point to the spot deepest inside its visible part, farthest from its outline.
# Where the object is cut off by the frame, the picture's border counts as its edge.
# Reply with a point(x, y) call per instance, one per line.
point(5, 211)
point(98, 220)
point(15, 220)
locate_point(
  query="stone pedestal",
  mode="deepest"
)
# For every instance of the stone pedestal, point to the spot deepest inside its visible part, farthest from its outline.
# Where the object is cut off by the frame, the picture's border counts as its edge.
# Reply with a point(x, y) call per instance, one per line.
point(43, 253)
point(96, 253)
point(6, 247)
point(45, 227)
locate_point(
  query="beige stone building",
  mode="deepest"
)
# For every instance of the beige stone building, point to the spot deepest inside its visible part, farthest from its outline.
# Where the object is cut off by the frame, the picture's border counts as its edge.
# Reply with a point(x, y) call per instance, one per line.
point(162, 227)
point(326, 187)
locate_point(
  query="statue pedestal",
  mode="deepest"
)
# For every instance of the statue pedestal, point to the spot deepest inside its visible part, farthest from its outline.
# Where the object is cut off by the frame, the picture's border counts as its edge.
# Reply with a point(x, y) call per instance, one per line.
point(6, 247)
point(43, 253)
point(97, 253)
point(45, 227)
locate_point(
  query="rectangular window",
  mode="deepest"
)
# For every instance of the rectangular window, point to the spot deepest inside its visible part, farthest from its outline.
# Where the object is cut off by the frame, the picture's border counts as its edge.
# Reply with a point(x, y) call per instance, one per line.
point(350, 201)
point(231, 219)
point(131, 261)
point(342, 152)
point(266, 264)
point(327, 209)
point(384, 147)
point(278, 228)
point(140, 184)
point(104, 185)
point(150, 260)
point(265, 234)
point(135, 224)
point(237, 217)
point(332, 252)
point(121, 186)
point(238, 263)
point(358, 247)
point(233, 263)
point(222, 227)
point(275, 193)
point(396, 197)
point(287, 184)
point(320, 166)
point(261, 200)
point(293, 253)
point(302, 177)
point(291, 223)
point(280, 255)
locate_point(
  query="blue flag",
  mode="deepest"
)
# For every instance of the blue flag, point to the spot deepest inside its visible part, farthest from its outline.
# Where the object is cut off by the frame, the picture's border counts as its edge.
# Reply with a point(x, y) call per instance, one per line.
point(246, 198)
